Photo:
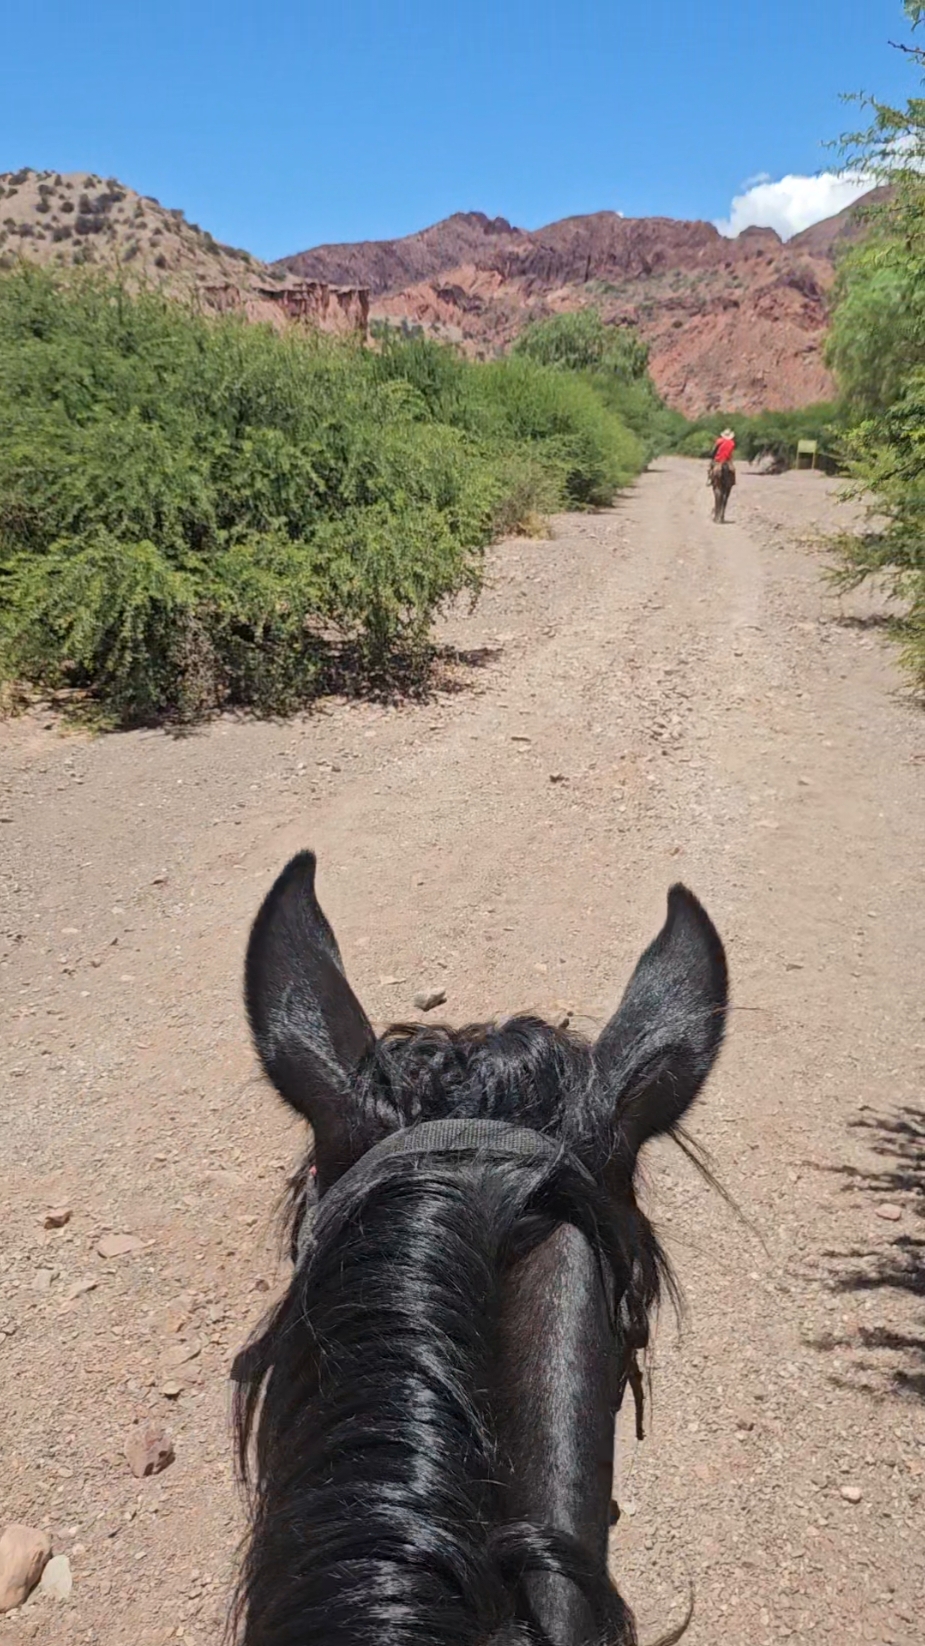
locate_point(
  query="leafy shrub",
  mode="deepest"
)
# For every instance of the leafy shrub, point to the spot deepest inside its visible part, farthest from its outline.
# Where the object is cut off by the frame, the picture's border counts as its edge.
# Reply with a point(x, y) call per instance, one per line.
point(771, 434)
point(582, 341)
point(587, 450)
point(638, 404)
point(613, 361)
point(877, 348)
point(200, 511)
point(581, 452)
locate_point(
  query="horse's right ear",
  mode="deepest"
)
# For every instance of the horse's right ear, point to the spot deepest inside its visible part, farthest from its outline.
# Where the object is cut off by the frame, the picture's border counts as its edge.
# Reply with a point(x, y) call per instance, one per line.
point(309, 1028)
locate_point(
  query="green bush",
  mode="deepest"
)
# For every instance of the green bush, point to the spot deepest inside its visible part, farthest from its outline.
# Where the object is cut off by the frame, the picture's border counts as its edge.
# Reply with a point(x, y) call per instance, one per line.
point(580, 453)
point(613, 361)
point(199, 511)
point(771, 434)
point(582, 341)
point(877, 349)
point(638, 405)
point(587, 452)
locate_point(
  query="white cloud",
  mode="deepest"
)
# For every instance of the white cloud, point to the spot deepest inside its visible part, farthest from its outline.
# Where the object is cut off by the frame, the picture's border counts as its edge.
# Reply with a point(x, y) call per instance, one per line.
point(793, 203)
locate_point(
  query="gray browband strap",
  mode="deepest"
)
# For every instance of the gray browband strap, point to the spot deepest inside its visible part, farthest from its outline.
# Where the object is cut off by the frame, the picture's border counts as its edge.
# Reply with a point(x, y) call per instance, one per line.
point(495, 1138)
point(461, 1136)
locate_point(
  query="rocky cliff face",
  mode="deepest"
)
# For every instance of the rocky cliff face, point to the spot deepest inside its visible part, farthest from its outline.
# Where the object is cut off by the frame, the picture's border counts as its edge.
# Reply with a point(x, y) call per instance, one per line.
point(338, 309)
point(388, 265)
point(731, 324)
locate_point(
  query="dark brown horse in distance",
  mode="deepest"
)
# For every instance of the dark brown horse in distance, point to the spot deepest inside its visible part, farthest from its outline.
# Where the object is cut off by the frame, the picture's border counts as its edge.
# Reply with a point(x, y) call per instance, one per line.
point(722, 472)
point(722, 479)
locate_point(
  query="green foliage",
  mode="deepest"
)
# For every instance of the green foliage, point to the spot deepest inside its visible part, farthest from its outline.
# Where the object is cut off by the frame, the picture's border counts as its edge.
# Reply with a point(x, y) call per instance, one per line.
point(197, 511)
point(877, 349)
point(579, 452)
point(585, 449)
point(878, 324)
point(613, 361)
point(772, 434)
point(582, 341)
point(638, 404)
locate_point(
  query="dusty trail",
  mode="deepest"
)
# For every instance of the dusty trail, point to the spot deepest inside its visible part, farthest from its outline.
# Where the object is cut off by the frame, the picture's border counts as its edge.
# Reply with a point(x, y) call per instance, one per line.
point(647, 698)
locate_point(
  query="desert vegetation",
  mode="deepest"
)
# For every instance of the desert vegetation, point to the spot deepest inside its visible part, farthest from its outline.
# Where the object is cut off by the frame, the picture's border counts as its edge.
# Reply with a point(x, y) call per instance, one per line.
point(877, 349)
point(613, 362)
point(197, 511)
point(86, 219)
point(771, 434)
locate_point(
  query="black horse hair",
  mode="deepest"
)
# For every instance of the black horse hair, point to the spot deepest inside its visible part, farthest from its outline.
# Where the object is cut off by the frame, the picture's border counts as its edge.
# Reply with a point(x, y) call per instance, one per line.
point(365, 1407)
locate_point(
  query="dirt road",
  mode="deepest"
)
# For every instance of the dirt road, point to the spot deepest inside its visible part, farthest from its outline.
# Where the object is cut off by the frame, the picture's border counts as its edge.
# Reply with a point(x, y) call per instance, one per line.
point(646, 698)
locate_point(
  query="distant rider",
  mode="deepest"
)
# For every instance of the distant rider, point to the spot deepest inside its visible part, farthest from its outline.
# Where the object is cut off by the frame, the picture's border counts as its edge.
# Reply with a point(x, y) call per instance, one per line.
point(723, 454)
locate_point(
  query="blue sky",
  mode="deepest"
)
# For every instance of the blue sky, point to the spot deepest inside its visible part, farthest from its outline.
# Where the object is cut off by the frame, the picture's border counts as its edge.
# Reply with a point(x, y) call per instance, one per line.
point(280, 125)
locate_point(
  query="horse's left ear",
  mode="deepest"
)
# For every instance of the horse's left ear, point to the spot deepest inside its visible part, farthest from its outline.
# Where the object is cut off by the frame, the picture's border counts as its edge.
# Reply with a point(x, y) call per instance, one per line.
point(310, 1030)
point(665, 1036)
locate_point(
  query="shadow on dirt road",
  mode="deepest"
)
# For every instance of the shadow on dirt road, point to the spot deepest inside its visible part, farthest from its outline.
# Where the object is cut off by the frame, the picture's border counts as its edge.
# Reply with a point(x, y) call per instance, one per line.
point(881, 1358)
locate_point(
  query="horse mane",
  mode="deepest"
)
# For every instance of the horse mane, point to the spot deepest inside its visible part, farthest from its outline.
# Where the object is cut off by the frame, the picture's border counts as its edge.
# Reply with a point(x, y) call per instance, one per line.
point(366, 1407)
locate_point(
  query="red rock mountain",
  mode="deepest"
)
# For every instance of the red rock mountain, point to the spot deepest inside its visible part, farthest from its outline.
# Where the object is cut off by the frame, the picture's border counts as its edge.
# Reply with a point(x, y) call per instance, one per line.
point(732, 324)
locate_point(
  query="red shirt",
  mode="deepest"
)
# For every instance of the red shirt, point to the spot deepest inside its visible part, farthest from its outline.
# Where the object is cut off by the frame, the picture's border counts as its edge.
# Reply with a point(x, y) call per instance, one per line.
point(724, 451)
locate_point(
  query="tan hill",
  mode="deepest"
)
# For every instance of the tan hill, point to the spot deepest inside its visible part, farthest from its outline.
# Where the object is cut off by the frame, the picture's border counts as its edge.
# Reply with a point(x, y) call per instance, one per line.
point(76, 219)
point(731, 324)
point(80, 218)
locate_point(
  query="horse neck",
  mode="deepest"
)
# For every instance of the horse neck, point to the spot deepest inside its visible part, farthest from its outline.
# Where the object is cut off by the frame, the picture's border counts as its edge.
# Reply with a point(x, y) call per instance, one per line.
point(559, 1377)
point(387, 1423)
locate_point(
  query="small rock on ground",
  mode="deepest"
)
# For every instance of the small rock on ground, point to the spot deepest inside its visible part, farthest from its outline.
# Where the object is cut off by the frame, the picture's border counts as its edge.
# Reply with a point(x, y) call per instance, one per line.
point(119, 1245)
point(149, 1450)
point(56, 1578)
point(24, 1552)
point(57, 1217)
point(426, 999)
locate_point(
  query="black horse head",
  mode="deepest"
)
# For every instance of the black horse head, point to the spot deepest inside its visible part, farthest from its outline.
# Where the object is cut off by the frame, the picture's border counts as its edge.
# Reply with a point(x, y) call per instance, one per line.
point(433, 1401)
